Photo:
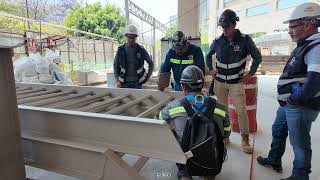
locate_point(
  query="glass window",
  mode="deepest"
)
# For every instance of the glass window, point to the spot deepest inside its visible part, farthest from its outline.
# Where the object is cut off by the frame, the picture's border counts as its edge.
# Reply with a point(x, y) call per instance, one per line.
point(238, 13)
point(255, 11)
point(283, 4)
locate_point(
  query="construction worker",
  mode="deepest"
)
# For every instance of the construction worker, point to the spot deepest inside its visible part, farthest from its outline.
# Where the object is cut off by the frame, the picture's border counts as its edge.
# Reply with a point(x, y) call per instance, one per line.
point(181, 55)
point(128, 65)
point(298, 94)
point(232, 49)
point(192, 80)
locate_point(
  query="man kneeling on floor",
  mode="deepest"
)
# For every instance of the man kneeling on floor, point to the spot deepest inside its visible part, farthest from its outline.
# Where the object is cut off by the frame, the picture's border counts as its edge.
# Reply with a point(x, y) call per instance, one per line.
point(199, 124)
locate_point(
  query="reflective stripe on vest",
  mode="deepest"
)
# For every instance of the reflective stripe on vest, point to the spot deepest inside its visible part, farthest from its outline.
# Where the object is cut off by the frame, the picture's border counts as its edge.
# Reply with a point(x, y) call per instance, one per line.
point(121, 79)
point(123, 70)
point(140, 70)
point(160, 116)
point(227, 128)
point(143, 77)
point(230, 77)
point(182, 61)
point(283, 97)
point(220, 112)
point(230, 66)
point(288, 81)
point(176, 110)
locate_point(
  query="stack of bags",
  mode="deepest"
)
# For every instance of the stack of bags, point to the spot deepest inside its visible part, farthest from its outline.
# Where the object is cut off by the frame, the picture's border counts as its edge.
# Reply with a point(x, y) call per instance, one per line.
point(38, 69)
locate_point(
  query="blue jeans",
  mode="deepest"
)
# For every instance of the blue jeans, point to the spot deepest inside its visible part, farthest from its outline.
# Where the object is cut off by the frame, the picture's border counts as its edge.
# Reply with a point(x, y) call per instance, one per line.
point(177, 86)
point(132, 84)
point(297, 120)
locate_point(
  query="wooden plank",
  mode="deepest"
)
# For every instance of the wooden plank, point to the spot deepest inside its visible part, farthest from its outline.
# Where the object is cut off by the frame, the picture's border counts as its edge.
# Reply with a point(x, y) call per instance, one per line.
point(131, 172)
point(59, 99)
point(38, 93)
point(140, 163)
point(30, 91)
point(157, 106)
point(45, 96)
point(84, 100)
point(23, 89)
point(96, 107)
point(11, 157)
point(127, 105)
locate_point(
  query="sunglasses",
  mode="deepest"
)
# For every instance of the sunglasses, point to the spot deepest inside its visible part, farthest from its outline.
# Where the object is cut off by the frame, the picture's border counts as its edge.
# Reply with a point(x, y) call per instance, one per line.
point(131, 37)
point(225, 26)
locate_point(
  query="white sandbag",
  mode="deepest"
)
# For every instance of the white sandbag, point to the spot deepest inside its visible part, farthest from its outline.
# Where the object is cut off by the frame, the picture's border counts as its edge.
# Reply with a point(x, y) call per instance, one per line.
point(24, 67)
point(33, 79)
point(42, 67)
point(52, 56)
point(45, 78)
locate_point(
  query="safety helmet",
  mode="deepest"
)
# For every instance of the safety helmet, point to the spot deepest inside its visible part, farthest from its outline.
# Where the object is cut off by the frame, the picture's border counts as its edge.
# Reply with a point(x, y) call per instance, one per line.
point(178, 40)
point(305, 11)
point(131, 29)
point(193, 77)
point(228, 16)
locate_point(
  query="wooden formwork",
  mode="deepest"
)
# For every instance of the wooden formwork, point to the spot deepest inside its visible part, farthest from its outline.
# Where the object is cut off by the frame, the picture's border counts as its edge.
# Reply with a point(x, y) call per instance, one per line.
point(84, 132)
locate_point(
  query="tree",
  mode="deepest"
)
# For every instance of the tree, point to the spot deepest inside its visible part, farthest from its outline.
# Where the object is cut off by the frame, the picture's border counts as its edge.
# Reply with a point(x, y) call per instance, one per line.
point(172, 29)
point(44, 10)
point(106, 21)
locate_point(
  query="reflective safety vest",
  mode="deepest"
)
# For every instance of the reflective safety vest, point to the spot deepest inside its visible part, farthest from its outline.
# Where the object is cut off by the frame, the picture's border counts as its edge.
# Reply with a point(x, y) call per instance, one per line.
point(295, 73)
point(212, 108)
point(141, 72)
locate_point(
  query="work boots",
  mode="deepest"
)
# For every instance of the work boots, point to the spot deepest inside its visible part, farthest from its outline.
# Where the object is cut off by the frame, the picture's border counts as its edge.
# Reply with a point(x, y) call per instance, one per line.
point(246, 147)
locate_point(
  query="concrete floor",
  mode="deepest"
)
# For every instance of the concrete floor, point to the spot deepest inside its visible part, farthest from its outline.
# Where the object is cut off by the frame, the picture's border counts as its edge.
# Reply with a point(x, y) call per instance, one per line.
point(237, 167)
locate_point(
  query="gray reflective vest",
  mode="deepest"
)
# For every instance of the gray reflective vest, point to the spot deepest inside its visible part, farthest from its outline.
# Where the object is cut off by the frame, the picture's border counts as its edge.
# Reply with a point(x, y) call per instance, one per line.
point(141, 72)
point(295, 73)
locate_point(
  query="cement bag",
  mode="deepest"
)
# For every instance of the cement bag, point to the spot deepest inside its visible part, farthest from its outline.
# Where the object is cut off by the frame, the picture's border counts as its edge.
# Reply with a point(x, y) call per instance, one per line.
point(24, 67)
point(52, 57)
point(33, 79)
point(45, 78)
point(42, 67)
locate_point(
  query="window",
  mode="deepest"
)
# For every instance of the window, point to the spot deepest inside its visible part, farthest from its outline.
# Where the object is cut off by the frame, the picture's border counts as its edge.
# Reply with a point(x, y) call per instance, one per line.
point(255, 11)
point(238, 13)
point(284, 4)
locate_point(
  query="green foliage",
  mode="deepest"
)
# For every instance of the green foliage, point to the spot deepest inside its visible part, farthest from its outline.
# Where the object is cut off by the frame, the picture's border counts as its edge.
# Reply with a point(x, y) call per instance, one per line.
point(257, 34)
point(172, 29)
point(205, 47)
point(106, 21)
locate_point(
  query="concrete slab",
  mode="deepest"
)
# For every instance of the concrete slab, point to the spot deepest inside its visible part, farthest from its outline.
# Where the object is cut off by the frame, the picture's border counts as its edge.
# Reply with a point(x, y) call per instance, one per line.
point(237, 166)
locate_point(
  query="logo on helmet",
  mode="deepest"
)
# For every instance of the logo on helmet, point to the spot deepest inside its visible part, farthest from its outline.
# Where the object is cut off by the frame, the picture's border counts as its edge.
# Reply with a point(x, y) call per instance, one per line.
point(190, 57)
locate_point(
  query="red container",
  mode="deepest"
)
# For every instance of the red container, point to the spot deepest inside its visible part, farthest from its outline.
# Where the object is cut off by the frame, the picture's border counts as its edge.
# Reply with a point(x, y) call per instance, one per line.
point(251, 91)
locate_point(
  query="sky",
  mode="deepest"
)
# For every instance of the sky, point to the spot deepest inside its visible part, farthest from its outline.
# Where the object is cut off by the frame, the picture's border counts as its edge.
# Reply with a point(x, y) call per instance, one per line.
point(160, 9)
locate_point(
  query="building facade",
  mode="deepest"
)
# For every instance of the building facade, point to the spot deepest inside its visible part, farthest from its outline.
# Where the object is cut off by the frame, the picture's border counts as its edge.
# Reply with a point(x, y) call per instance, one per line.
point(256, 16)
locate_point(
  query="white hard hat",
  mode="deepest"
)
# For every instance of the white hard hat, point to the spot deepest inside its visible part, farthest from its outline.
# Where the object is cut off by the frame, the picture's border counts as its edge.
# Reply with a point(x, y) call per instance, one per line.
point(131, 29)
point(305, 11)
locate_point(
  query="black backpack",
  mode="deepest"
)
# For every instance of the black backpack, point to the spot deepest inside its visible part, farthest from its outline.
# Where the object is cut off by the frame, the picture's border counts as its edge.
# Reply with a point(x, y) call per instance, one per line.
point(203, 137)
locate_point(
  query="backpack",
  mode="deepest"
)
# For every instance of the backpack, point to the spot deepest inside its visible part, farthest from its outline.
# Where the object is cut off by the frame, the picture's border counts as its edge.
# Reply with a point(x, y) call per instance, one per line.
point(203, 137)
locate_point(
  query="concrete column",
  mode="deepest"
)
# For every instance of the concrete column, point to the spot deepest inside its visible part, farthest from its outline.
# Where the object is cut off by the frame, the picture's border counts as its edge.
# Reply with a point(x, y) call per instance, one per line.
point(11, 158)
point(188, 17)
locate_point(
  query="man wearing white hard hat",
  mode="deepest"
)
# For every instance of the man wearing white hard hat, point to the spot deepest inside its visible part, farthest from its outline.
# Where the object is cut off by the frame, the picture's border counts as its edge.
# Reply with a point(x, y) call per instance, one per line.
point(298, 94)
point(128, 65)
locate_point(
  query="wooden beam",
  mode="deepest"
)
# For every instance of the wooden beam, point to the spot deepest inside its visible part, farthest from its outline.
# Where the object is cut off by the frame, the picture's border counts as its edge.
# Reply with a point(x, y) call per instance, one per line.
point(30, 91)
point(59, 99)
point(38, 93)
point(44, 96)
point(11, 157)
point(140, 163)
point(84, 100)
point(96, 107)
point(23, 89)
point(157, 106)
point(128, 105)
point(131, 172)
